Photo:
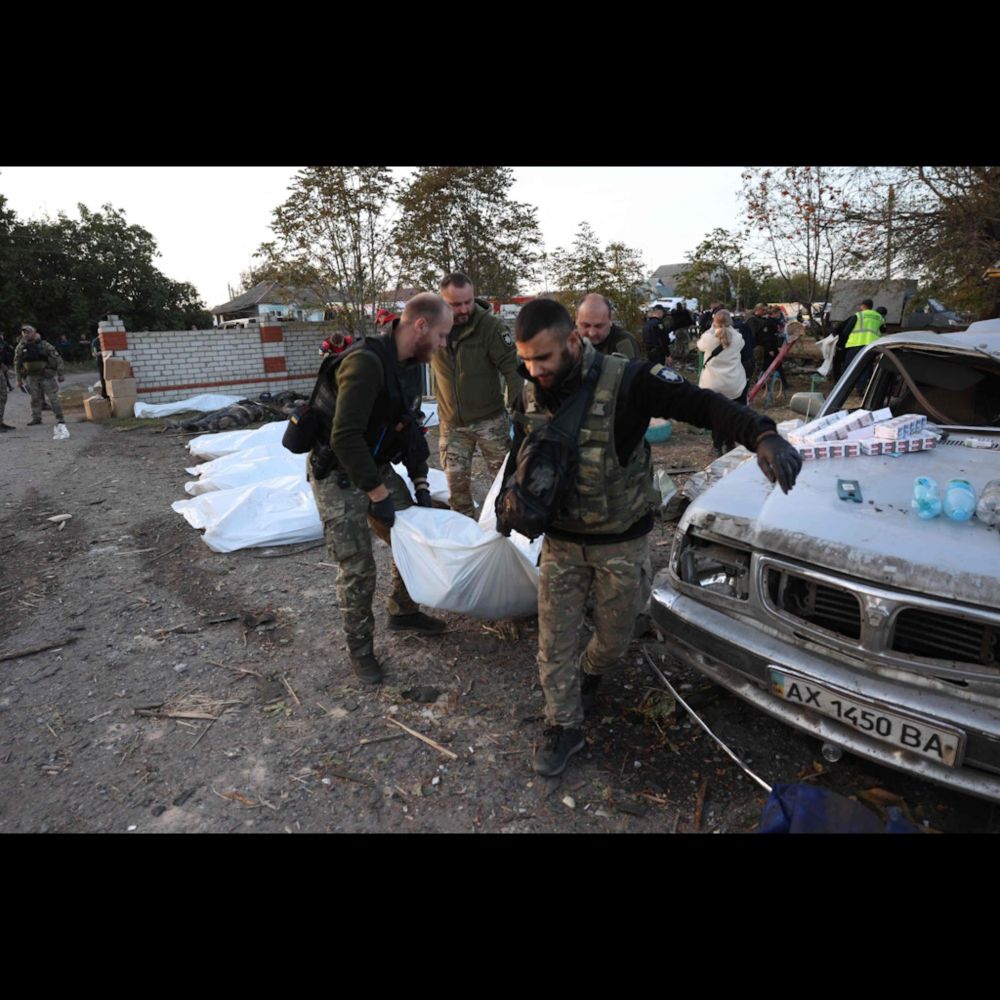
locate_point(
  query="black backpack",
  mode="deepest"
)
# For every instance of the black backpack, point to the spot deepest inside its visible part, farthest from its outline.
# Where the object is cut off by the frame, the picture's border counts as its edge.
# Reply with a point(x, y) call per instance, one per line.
point(546, 466)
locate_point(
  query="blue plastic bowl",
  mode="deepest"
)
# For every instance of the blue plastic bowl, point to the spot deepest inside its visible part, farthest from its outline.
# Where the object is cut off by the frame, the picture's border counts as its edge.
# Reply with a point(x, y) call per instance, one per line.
point(658, 433)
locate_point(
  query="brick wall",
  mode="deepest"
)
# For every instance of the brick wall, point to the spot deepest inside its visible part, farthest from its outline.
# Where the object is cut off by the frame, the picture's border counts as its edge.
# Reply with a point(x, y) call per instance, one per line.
point(173, 364)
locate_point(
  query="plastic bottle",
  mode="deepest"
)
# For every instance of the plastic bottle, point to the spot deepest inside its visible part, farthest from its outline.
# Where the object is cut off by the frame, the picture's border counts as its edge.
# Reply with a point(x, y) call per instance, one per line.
point(988, 508)
point(959, 500)
point(926, 499)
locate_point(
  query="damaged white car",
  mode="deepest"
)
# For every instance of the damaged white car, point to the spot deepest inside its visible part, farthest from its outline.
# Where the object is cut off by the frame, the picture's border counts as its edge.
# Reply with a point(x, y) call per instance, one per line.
point(836, 608)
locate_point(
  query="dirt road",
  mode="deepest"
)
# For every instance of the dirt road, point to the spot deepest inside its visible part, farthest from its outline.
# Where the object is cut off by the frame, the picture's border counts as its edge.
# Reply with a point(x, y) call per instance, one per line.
point(190, 691)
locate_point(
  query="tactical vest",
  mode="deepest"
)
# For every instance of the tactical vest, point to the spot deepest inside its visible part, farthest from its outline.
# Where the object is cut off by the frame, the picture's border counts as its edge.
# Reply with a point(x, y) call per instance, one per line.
point(33, 359)
point(867, 324)
point(607, 498)
point(399, 396)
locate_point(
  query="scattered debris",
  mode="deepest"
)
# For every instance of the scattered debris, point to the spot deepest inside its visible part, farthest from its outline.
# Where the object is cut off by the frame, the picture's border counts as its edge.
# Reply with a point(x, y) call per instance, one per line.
point(569, 801)
point(422, 694)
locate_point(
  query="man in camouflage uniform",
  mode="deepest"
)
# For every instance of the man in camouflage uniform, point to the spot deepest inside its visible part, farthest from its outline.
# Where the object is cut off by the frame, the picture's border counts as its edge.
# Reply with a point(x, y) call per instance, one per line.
point(467, 374)
point(6, 361)
point(39, 364)
point(598, 541)
point(371, 399)
point(593, 321)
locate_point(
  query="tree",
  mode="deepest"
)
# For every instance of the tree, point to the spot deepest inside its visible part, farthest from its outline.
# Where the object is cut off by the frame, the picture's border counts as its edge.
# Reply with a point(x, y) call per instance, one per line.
point(720, 269)
point(800, 217)
point(616, 272)
point(463, 219)
point(940, 224)
point(332, 238)
point(63, 274)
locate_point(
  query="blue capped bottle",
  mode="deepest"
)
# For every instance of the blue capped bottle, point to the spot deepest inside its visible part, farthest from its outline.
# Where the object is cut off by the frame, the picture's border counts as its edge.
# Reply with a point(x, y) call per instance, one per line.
point(926, 499)
point(959, 499)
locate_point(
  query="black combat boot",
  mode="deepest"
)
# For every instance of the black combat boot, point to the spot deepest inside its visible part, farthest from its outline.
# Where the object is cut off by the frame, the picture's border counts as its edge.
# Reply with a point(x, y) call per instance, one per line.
point(417, 622)
point(560, 744)
point(37, 420)
point(367, 667)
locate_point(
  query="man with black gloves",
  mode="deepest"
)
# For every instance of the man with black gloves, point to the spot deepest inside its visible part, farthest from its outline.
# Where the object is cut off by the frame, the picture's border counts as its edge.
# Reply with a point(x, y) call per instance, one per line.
point(598, 540)
point(373, 398)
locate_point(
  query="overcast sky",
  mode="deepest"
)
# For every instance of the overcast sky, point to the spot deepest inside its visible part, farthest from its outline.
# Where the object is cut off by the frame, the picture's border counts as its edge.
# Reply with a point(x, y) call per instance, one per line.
point(207, 221)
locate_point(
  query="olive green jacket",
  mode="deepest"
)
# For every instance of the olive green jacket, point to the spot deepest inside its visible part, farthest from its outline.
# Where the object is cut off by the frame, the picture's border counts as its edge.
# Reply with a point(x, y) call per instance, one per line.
point(620, 341)
point(467, 372)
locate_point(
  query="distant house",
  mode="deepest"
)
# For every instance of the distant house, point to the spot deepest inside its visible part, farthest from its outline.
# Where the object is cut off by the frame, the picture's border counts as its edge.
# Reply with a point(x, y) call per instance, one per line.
point(662, 281)
point(271, 301)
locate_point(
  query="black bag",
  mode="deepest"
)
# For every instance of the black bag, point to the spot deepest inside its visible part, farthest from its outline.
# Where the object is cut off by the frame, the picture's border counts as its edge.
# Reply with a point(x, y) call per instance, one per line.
point(307, 426)
point(546, 466)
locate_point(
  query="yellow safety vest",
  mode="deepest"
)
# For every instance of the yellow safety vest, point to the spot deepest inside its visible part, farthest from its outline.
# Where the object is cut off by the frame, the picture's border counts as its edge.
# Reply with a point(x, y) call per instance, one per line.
point(867, 324)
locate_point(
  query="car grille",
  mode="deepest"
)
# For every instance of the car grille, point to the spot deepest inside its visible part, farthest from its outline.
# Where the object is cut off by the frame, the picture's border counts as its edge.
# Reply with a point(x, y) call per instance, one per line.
point(946, 637)
point(832, 608)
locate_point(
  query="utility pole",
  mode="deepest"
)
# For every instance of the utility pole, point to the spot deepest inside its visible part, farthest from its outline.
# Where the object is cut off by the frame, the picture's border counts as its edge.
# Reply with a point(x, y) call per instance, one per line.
point(888, 231)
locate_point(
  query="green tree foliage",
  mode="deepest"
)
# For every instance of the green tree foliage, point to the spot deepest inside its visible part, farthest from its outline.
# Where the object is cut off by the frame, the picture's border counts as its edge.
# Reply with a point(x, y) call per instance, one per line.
point(63, 275)
point(938, 224)
point(463, 219)
point(720, 269)
point(616, 271)
point(332, 238)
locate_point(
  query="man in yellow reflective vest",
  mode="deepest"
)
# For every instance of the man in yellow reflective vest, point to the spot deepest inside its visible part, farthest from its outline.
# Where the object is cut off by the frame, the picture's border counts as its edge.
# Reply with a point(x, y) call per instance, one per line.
point(868, 325)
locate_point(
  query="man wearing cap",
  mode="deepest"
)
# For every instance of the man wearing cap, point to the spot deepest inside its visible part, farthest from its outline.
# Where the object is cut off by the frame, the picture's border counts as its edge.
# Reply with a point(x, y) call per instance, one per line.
point(593, 321)
point(467, 374)
point(39, 364)
point(655, 337)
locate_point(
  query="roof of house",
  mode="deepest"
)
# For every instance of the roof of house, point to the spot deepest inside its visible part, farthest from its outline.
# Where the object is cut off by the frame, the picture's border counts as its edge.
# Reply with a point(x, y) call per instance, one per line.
point(274, 291)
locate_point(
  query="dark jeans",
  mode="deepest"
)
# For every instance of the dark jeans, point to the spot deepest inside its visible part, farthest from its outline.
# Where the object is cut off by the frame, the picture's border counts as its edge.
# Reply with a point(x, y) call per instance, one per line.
point(719, 442)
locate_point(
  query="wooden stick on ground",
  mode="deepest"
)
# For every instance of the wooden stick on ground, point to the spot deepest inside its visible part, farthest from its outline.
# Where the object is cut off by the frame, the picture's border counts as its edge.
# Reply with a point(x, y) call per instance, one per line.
point(39, 649)
point(291, 690)
point(424, 739)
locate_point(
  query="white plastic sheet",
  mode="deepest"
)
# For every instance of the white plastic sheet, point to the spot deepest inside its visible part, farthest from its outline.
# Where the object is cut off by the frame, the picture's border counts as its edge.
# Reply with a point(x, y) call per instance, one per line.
point(278, 511)
point(448, 562)
point(208, 446)
point(244, 468)
point(205, 403)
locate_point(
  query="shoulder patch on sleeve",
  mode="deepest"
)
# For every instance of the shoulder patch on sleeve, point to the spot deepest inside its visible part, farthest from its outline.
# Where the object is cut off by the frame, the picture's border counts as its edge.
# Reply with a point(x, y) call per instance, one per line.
point(667, 374)
point(506, 338)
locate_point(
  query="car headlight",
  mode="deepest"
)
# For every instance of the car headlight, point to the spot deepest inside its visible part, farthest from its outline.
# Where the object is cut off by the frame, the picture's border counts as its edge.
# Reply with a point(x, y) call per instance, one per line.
point(713, 566)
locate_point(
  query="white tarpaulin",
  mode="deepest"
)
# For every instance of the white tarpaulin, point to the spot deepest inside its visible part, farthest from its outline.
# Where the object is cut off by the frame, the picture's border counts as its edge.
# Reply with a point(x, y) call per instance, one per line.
point(255, 494)
point(244, 468)
point(204, 403)
point(447, 561)
point(226, 442)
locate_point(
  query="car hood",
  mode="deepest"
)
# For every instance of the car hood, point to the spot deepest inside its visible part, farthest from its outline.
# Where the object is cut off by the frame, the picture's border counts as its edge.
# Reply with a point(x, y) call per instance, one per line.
point(880, 540)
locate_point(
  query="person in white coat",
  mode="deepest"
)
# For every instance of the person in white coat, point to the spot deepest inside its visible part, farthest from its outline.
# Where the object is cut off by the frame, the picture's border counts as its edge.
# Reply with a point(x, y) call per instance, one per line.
point(723, 370)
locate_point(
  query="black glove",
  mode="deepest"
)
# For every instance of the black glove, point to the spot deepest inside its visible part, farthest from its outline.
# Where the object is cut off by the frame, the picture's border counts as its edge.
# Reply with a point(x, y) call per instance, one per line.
point(422, 491)
point(383, 510)
point(779, 461)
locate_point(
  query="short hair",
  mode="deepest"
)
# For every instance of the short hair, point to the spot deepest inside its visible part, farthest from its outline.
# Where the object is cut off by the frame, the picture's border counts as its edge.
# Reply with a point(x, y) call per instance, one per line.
point(28, 328)
point(603, 298)
point(867, 303)
point(456, 278)
point(427, 306)
point(542, 314)
point(882, 311)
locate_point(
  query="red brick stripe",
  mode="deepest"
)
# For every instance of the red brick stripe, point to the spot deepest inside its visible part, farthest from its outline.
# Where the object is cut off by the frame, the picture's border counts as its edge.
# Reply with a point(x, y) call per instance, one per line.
point(275, 365)
point(114, 341)
point(232, 381)
point(271, 335)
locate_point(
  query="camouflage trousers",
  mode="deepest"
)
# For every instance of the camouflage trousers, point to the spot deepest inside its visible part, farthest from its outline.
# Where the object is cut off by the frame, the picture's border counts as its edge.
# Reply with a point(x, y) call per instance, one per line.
point(457, 445)
point(344, 513)
point(619, 576)
point(43, 385)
